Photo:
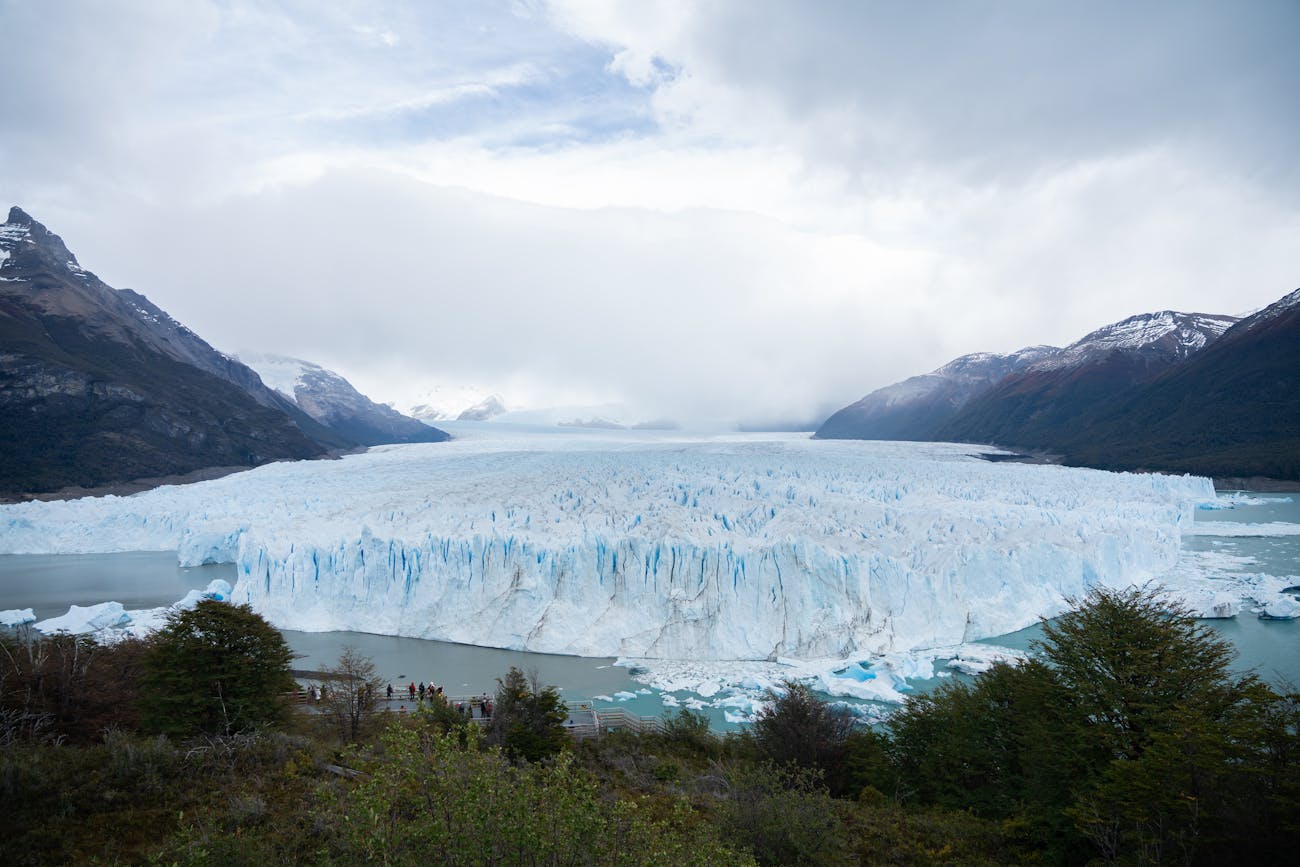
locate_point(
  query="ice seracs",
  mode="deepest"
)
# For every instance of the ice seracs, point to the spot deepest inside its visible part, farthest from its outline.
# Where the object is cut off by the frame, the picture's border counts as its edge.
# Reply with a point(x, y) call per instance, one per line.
point(657, 546)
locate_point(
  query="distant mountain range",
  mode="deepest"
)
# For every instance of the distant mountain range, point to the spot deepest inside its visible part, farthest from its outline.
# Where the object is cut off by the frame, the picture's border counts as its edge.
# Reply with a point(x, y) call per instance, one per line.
point(1167, 391)
point(455, 403)
point(99, 386)
point(331, 400)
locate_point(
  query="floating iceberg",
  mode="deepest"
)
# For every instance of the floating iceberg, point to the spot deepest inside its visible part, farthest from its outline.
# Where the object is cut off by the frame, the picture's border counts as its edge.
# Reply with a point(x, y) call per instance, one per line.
point(1207, 604)
point(110, 620)
point(739, 548)
point(17, 617)
point(87, 618)
point(1281, 608)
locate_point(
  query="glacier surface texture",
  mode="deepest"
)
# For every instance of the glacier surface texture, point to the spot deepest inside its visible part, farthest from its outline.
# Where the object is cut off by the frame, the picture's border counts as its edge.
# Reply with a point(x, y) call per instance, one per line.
point(664, 546)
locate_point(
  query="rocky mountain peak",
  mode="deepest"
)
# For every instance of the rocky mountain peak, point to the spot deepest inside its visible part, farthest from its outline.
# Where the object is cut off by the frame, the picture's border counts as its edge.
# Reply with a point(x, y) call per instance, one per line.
point(22, 227)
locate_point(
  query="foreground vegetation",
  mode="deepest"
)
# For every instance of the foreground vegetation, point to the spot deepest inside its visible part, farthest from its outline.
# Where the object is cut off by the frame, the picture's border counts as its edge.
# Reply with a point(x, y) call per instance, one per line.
point(1126, 740)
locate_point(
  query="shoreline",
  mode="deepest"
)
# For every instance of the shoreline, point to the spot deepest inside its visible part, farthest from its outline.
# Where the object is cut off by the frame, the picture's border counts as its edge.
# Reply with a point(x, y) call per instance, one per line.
point(1255, 484)
point(149, 483)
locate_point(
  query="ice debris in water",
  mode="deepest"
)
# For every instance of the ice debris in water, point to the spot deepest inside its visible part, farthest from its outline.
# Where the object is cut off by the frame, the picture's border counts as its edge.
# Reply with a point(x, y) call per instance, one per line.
point(110, 620)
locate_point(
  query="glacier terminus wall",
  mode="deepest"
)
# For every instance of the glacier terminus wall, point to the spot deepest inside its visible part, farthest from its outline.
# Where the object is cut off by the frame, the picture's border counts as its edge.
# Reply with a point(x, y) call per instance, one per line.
point(743, 547)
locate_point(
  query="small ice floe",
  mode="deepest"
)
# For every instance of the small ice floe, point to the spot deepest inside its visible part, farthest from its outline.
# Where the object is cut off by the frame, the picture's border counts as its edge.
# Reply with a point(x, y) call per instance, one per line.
point(624, 695)
point(109, 621)
point(1283, 607)
point(82, 619)
point(1205, 603)
point(17, 617)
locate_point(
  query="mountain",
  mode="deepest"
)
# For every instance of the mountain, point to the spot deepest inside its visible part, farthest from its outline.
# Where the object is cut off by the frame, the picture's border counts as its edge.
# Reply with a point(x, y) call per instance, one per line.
point(916, 408)
point(454, 403)
point(331, 400)
point(100, 386)
point(1043, 404)
point(485, 410)
point(1166, 391)
point(1230, 410)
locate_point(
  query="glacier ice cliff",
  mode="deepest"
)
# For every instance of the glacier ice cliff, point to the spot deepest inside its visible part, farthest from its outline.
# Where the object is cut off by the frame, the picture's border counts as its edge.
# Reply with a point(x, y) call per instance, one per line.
point(742, 547)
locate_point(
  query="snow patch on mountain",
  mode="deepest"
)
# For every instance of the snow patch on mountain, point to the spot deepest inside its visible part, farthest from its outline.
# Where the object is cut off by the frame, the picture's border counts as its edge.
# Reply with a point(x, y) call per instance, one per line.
point(277, 371)
point(1180, 334)
point(447, 402)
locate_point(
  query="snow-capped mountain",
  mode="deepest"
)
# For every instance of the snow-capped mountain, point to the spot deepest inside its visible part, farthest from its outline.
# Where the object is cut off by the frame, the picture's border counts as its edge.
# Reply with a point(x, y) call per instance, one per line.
point(332, 401)
point(98, 385)
point(485, 410)
point(1044, 403)
point(453, 402)
point(1167, 335)
point(915, 408)
point(1181, 392)
point(1231, 410)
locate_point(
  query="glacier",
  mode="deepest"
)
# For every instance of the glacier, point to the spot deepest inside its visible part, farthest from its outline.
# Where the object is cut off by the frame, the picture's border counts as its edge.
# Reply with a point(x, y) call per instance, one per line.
point(659, 546)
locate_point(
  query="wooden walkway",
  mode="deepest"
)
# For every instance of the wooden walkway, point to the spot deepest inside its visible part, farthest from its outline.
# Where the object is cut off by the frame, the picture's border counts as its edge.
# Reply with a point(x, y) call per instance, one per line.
point(584, 719)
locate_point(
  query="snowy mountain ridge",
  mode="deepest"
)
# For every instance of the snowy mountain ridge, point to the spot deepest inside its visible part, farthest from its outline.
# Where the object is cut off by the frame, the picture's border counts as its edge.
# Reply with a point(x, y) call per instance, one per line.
point(99, 386)
point(1168, 331)
point(333, 401)
point(451, 402)
point(915, 407)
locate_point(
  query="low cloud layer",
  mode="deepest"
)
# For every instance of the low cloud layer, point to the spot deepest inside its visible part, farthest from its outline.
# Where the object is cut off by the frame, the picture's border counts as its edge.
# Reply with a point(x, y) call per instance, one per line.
point(705, 211)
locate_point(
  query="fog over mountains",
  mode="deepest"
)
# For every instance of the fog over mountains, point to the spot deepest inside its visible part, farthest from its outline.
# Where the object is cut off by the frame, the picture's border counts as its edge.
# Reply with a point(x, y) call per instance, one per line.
point(99, 386)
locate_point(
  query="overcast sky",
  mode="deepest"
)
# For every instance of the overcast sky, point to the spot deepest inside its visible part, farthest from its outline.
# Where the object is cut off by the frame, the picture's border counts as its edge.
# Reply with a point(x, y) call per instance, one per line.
point(701, 209)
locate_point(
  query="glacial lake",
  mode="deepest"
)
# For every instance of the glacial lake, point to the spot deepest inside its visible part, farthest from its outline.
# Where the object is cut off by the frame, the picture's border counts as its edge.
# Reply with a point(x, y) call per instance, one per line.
point(50, 583)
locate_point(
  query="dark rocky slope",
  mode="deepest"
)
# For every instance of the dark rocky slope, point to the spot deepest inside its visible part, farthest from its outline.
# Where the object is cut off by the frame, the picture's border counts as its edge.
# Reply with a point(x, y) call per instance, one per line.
point(99, 386)
point(1231, 410)
point(916, 408)
point(1045, 404)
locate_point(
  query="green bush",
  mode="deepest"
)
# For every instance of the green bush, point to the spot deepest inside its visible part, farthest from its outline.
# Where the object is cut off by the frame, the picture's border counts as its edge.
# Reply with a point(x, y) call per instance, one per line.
point(215, 668)
point(1129, 735)
point(527, 719)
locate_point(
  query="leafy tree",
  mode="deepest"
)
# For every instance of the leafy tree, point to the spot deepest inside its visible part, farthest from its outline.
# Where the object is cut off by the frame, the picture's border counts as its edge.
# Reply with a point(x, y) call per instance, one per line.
point(215, 668)
point(527, 719)
point(689, 728)
point(965, 746)
point(795, 726)
point(351, 694)
point(1129, 732)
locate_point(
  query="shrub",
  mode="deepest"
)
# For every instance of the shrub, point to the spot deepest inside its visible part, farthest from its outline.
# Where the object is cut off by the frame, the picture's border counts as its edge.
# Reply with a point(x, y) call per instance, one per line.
point(215, 668)
point(527, 719)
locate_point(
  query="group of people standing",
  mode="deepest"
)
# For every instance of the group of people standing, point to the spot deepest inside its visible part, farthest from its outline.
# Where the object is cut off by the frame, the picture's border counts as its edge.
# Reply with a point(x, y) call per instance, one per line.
point(420, 692)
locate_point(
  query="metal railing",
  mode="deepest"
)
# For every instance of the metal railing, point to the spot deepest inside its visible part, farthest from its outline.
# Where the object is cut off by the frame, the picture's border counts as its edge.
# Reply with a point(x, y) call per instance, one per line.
point(585, 720)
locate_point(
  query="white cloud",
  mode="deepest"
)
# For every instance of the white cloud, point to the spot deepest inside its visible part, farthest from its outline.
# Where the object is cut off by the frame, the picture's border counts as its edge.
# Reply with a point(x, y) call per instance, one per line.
point(723, 208)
